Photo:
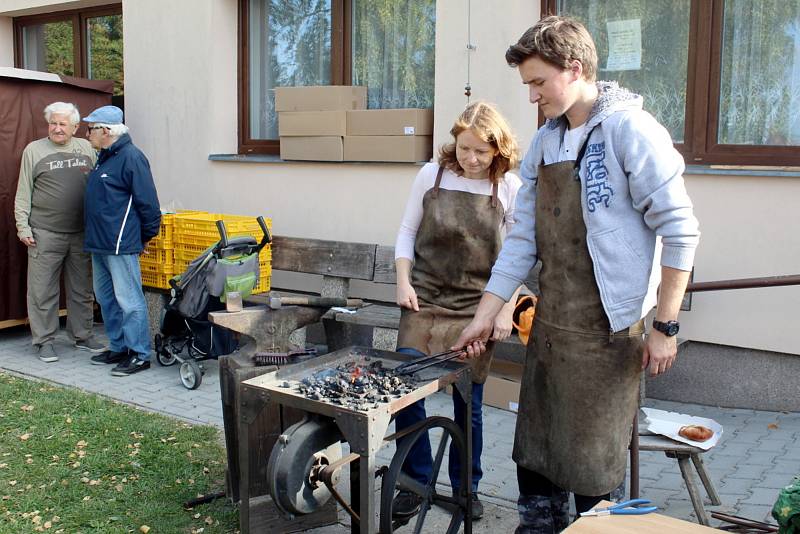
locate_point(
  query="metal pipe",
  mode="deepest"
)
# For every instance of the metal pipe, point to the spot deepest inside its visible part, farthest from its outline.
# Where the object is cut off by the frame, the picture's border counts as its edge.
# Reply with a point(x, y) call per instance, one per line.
point(744, 283)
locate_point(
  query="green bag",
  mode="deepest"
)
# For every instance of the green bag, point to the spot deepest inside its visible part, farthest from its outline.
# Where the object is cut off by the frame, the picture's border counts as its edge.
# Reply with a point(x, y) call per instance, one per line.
point(787, 508)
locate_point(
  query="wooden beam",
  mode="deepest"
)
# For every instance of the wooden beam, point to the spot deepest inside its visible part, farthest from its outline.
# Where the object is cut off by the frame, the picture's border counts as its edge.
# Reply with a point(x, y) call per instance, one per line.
point(330, 258)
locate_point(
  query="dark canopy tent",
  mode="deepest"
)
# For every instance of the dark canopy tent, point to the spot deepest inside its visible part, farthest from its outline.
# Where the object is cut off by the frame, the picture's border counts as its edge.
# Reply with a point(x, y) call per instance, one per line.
point(23, 96)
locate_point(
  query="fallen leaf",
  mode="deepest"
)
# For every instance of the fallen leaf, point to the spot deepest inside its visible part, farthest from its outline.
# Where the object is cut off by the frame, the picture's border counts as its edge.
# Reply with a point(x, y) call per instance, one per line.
point(25, 437)
point(119, 487)
point(87, 498)
point(69, 420)
point(772, 426)
point(208, 520)
point(81, 444)
point(48, 524)
point(26, 408)
point(12, 482)
point(144, 529)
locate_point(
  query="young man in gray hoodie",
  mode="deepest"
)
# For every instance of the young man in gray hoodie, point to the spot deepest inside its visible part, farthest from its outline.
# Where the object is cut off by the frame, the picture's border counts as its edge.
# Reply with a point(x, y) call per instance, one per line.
point(604, 207)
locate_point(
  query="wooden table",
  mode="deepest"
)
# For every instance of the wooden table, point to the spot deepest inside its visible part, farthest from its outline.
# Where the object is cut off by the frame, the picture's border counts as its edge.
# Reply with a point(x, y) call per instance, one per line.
point(635, 524)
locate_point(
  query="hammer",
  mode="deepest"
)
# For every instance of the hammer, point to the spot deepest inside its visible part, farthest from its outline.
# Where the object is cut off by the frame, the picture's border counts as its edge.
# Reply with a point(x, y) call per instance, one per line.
point(319, 302)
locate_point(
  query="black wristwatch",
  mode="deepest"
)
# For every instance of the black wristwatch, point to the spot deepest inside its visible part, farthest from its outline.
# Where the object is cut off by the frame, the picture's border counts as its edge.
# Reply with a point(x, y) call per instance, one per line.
point(669, 329)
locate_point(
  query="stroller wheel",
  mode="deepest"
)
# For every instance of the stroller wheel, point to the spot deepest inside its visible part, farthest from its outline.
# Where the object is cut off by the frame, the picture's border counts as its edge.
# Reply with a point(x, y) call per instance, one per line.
point(165, 357)
point(191, 375)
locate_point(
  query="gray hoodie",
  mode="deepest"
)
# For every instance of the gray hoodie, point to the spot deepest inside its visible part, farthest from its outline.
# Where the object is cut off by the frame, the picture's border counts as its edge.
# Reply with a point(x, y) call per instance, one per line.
point(633, 199)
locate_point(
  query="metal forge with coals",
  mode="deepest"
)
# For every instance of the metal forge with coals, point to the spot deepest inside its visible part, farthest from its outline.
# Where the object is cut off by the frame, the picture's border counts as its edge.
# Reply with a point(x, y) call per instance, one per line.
point(351, 395)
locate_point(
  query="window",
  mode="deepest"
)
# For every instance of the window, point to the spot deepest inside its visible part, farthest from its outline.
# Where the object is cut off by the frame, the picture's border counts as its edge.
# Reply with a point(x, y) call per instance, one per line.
point(723, 76)
point(85, 43)
point(387, 45)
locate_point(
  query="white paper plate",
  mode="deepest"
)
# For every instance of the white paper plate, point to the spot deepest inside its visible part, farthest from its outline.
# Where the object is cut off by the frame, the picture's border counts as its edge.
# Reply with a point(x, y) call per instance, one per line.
point(669, 423)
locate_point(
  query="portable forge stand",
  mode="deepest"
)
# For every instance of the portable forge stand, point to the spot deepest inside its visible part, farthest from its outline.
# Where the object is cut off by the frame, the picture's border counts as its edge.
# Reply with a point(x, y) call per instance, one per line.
point(306, 463)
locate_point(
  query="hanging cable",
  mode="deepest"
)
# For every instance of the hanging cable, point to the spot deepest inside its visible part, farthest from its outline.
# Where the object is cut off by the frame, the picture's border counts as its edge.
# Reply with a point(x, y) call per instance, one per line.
point(470, 47)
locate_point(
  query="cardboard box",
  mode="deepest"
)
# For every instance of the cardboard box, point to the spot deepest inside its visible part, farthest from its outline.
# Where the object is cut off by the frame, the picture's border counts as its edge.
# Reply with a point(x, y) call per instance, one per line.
point(390, 122)
point(328, 148)
point(502, 385)
point(408, 148)
point(320, 98)
point(312, 123)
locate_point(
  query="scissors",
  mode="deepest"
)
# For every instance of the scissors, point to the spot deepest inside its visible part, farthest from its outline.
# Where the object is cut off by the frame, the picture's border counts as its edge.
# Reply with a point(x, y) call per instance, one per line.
point(632, 507)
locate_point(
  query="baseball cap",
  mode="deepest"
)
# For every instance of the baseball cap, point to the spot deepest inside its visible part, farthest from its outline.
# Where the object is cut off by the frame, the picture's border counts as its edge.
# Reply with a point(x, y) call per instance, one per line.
point(105, 115)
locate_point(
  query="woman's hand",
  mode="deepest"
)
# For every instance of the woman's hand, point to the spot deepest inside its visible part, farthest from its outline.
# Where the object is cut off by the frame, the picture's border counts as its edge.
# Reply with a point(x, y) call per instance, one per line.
point(502, 323)
point(407, 297)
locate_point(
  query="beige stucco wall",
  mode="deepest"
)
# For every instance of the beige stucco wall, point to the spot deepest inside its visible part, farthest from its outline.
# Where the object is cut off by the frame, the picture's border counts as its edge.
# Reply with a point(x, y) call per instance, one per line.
point(749, 228)
point(184, 108)
point(6, 42)
point(18, 8)
point(181, 105)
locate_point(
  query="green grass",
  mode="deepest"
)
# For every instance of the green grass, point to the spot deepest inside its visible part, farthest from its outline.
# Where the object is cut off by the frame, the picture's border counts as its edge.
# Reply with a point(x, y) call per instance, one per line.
point(72, 462)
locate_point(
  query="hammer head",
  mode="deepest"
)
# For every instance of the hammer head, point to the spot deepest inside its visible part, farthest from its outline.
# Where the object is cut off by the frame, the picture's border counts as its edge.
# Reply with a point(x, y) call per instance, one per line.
point(274, 302)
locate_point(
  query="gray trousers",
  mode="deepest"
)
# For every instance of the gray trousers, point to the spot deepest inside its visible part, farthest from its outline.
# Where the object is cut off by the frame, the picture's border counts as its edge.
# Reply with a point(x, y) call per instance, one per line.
point(53, 252)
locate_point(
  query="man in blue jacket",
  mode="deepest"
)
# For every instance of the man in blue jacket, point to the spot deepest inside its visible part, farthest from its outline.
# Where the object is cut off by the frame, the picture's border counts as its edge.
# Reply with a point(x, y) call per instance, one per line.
point(122, 214)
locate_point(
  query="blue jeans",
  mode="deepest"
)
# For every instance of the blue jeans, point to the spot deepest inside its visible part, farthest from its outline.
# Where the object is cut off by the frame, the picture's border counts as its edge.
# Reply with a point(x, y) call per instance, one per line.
point(419, 462)
point(118, 289)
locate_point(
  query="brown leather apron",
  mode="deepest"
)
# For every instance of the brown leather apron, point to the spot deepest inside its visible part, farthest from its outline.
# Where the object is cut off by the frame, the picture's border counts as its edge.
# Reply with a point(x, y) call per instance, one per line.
point(580, 384)
point(457, 243)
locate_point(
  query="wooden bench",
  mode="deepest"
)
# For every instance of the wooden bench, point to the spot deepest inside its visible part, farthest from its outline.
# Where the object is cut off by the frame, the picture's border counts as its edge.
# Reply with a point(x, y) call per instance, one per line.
point(339, 263)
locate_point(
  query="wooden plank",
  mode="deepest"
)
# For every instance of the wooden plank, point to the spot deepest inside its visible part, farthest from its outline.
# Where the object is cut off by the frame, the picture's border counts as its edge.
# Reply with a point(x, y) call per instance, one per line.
point(384, 265)
point(373, 315)
point(653, 523)
point(331, 258)
point(10, 323)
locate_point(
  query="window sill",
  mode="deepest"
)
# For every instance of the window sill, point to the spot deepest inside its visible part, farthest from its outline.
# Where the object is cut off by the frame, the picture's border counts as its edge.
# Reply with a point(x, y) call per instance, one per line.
point(273, 158)
point(744, 170)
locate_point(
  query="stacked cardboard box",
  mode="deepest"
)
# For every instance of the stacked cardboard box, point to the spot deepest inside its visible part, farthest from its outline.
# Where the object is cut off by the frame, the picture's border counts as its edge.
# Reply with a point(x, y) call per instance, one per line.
point(312, 120)
point(389, 135)
point(331, 123)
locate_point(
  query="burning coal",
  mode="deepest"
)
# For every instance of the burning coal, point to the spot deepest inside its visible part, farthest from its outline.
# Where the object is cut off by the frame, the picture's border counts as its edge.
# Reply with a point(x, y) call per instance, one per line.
point(357, 386)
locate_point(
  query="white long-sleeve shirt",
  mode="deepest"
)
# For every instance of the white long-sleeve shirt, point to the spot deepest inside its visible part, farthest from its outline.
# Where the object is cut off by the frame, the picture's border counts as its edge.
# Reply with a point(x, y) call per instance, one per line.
point(426, 178)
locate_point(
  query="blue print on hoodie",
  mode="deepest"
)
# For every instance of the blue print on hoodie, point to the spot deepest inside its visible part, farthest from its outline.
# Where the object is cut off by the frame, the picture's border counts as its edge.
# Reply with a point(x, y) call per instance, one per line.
point(597, 189)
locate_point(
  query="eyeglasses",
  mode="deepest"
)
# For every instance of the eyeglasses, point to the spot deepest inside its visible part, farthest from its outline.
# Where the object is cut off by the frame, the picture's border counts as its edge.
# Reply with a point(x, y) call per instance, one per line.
point(90, 128)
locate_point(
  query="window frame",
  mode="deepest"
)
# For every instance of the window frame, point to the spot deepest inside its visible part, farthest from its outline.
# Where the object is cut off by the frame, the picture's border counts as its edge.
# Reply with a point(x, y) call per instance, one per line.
point(341, 69)
point(703, 80)
point(78, 18)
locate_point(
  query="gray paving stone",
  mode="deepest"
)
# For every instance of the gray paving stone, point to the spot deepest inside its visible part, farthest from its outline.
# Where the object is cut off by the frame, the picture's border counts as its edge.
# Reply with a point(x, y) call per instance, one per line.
point(754, 511)
point(761, 496)
point(775, 480)
point(748, 471)
point(748, 465)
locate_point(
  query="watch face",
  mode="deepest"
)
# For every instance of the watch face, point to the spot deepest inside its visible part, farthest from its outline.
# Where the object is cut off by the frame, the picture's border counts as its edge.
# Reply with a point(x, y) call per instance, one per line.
point(672, 329)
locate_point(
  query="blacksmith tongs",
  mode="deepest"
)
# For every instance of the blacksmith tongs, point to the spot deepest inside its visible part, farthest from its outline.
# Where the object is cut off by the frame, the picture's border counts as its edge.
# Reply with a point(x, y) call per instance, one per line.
point(419, 364)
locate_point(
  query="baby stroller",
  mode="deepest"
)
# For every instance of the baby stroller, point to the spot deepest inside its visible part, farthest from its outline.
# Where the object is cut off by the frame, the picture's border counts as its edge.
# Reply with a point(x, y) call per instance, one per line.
point(186, 335)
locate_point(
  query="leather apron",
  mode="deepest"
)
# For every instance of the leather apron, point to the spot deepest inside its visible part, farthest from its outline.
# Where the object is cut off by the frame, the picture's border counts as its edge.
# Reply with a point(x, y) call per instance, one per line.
point(457, 243)
point(580, 385)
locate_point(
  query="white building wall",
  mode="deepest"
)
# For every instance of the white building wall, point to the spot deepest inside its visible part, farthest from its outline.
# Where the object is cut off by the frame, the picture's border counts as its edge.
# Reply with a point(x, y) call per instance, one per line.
point(181, 104)
point(6, 42)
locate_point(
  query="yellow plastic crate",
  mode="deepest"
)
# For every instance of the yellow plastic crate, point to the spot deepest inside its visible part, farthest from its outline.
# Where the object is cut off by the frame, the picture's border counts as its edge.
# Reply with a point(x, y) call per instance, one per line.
point(157, 268)
point(187, 252)
point(201, 228)
point(157, 280)
point(165, 237)
point(156, 255)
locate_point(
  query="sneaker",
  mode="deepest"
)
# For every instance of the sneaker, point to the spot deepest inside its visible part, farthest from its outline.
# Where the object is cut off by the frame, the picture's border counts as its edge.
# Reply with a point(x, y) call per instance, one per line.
point(132, 365)
point(477, 506)
point(109, 356)
point(47, 353)
point(90, 344)
point(405, 504)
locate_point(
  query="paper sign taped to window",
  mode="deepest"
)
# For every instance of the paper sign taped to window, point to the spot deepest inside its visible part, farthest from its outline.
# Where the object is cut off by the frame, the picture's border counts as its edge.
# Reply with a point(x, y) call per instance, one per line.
point(624, 45)
point(408, 130)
